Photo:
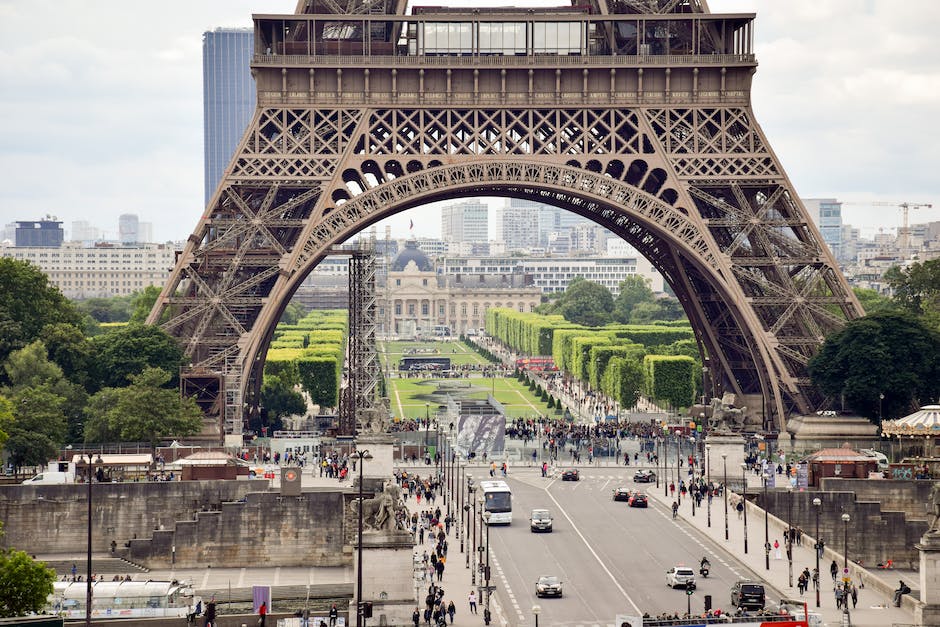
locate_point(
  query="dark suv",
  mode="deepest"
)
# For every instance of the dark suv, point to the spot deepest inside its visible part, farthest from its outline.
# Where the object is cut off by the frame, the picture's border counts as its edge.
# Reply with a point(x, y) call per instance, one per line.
point(748, 595)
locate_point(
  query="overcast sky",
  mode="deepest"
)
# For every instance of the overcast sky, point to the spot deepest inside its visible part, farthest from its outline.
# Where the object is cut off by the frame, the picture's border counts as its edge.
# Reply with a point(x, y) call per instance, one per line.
point(102, 105)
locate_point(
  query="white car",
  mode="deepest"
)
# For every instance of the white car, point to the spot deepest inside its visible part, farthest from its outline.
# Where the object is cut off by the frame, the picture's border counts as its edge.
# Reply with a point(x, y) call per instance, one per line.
point(680, 576)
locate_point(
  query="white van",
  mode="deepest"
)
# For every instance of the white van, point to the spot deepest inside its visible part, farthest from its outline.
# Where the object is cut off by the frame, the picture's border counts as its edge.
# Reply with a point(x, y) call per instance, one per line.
point(49, 477)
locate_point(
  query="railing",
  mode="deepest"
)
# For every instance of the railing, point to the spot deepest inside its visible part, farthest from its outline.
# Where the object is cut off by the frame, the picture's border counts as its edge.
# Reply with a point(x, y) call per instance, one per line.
point(491, 98)
point(502, 61)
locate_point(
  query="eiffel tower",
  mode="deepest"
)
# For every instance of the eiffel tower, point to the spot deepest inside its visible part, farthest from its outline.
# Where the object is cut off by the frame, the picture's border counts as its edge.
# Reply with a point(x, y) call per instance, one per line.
point(633, 113)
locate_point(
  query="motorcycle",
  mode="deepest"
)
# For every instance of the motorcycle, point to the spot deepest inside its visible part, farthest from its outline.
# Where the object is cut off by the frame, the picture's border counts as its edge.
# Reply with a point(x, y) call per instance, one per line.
point(704, 569)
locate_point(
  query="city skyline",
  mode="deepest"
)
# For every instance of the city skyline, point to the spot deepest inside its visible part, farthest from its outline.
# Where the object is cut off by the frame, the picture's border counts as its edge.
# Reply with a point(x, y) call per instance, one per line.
point(117, 113)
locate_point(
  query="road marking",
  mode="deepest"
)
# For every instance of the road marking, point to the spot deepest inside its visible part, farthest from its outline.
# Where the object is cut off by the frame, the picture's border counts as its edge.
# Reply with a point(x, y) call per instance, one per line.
point(509, 592)
point(593, 552)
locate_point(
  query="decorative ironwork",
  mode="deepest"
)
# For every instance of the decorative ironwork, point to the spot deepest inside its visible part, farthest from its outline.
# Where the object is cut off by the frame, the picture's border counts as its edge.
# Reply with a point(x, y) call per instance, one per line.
point(651, 136)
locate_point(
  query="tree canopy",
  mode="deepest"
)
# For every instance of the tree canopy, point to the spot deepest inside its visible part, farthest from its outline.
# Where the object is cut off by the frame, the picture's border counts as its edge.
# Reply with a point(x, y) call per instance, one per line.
point(144, 411)
point(917, 289)
point(29, 303)
point(584, 302)
point(634, 290)
point(129, 350)
point(890, 353)
point(26, 584)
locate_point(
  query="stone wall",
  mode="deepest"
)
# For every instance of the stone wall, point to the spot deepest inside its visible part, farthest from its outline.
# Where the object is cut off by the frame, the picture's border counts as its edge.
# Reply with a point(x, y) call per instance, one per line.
point(54, 518)
point(909, 497)
point(264, 530)
point(875, 534)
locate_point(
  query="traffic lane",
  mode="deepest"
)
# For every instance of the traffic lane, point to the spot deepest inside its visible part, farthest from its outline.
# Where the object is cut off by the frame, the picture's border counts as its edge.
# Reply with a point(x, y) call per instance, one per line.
point(589, 594)
point(639, 545)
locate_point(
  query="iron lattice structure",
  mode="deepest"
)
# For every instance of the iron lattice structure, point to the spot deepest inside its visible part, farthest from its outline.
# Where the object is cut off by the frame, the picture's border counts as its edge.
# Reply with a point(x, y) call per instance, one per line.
point(361, 354)
point(635, 113)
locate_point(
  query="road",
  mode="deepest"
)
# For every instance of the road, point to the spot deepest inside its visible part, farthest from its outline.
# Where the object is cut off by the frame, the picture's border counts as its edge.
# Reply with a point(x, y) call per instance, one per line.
point(612, 558)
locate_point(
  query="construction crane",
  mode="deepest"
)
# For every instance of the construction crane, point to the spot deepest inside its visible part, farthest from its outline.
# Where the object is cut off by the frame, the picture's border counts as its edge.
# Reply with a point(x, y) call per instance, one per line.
point(904, 233)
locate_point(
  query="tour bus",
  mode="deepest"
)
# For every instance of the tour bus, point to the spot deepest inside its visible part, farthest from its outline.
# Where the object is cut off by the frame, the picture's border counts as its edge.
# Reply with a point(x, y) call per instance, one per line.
point(497, 500)
point(123, 599)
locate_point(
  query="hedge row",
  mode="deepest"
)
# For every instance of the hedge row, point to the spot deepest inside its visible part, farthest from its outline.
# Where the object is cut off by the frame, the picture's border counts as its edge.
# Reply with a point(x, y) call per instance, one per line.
point(615, 359)
point(310, 354)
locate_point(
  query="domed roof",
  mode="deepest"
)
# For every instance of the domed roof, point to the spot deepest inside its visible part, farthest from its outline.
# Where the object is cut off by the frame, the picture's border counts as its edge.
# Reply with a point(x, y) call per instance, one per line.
point(412, 253)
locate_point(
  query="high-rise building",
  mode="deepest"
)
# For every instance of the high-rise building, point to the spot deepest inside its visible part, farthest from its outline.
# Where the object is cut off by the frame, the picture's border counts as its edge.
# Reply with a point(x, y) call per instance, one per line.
point(465, 221)
point(46, 233)
point(827, 214)
point(128, 228)
point(84, 231)
point(145, 232)
point(518, 224)
point(228, 94)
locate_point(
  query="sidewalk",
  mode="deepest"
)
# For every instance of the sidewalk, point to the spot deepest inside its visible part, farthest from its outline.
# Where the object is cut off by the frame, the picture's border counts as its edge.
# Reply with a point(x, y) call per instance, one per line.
point(874, 608)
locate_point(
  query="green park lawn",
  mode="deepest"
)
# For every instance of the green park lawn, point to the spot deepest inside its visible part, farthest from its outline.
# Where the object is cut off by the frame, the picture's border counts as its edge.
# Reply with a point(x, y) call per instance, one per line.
point(459, 353)
point(410, 396)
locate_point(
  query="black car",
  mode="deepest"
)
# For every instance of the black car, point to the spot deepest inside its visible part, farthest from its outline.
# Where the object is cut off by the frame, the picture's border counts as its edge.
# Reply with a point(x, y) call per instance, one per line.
point(644, 476)
point(638, 500)
point(571, 475)
point(621, 494)
point(749, 595)
point(548, 587)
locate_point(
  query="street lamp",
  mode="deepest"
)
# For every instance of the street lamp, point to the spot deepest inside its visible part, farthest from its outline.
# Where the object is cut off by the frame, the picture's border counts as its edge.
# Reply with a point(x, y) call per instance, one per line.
point(724, 490)
point(678, 481)
point(817, 502)
point(708, 471)
point(845, 567)
point(486, 571)
point(90, 477)
point(427, 425)
point(766, 526)
point(790, 531)
point(744, 503)
point(362, 456)
point(881, 397)
point(536, 610)
point(466, 509)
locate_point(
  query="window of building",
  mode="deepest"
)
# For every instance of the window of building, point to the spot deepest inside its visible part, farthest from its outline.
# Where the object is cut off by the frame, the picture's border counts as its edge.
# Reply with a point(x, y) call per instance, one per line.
point(397, 309)
point(411, 309)
point(424, 309)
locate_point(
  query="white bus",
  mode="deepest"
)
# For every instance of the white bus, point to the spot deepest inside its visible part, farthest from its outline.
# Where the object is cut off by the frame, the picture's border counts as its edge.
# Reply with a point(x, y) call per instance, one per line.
point(497, 500)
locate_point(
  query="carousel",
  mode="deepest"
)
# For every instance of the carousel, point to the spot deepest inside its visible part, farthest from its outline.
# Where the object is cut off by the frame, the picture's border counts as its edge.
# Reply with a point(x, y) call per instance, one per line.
point(917, 432)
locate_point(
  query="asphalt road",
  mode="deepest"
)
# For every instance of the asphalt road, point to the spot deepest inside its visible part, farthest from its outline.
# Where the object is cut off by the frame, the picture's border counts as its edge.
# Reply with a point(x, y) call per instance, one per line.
point(612, 558)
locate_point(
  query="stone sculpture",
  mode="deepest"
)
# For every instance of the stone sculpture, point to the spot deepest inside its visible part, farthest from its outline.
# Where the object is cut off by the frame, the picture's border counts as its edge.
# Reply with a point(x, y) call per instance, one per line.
point(383, 512)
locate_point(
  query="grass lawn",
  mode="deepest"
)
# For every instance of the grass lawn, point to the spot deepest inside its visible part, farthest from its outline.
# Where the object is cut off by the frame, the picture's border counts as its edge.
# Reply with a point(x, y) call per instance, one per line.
point(409, 396)
point(458, 352)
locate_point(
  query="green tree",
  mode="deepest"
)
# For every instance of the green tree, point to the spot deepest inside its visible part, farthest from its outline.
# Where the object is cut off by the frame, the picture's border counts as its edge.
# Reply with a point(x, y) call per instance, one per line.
point(890, 353)
point(280, 399)
point(293, 313)
point(68, 347)
point(144, 411)
point(584, 302)
point(29, 303)
point(633, 291)
point(6, 420)
point(129, 350)
point(39, 426)
point(872, 301)
point(142, 302)
point(115, 309)
point(916, 287)
point(661, 309)
point(24, 582)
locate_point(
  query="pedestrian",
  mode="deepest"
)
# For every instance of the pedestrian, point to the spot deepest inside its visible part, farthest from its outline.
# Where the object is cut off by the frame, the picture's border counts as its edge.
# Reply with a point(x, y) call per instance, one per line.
point(472, 599)
point(854, 596)
point(740, 508)
point(777, 555)
point(440, 569)
point(451, 610)
point(334, 615)
point(416, 617)
point(833, 569)
point(210, 612)
point(262, 613)
point(840, 597)
point(815, 579)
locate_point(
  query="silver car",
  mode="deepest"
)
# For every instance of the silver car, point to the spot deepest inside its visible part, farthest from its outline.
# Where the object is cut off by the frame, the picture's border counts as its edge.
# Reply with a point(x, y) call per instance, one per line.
point(548, 587)
point(541, 520)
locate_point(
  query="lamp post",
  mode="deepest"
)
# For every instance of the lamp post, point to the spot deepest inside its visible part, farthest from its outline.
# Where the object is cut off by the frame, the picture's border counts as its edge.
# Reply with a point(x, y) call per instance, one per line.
point(88, 584)
point(362, 456)
point(536, 610)
point(658, 442)
point(427, 425)
point(790, 532)
point(881, 397)
point(678, 491)
point(473, 569)
point(724, 490)
point(692, 486)
point(466, 509)
point(766, 526)
point(817, 502)
point(845, 567)
point(486, 570)
point(744, 503)
point(708, 471)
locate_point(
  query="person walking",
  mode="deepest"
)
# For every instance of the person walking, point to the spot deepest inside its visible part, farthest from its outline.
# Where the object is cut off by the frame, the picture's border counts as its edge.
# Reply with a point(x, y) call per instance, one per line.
point(854, 596)
point(777, 555)
point(262, 613)
point(815, 579)
point(472, 599)
point(210, 612)
point(451, 610)
point(416, 617)
point(833, 569)
point(840, 597)
point(334, 615)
